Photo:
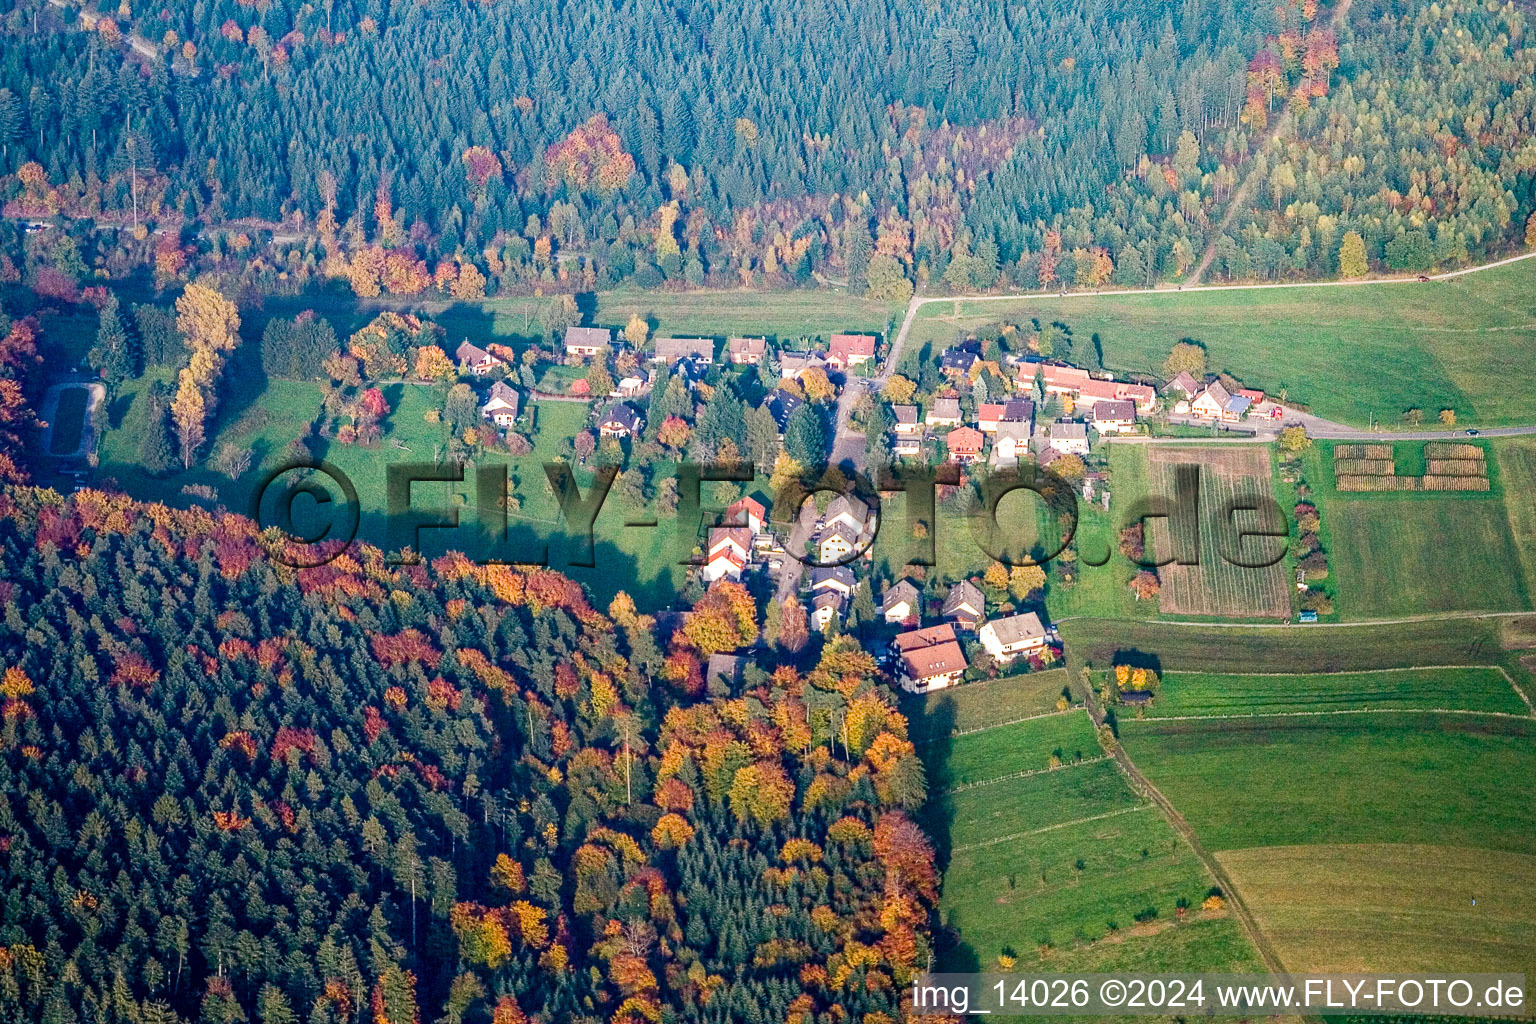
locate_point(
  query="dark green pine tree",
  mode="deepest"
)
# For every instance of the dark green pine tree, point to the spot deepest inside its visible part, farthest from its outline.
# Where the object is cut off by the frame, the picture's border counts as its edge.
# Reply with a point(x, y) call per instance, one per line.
point(805, 437)
point(114, 356)
point(156, 450)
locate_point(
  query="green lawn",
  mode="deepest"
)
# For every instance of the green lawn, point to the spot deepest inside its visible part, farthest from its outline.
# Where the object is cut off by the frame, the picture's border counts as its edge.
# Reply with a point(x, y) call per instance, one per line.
point(1516, 461)
point(1022, 746)
point(1349, 353)
point(1471, 689)
point(1418, 552)
point(1414, 778)
point(1054, 898)
point(983, 703)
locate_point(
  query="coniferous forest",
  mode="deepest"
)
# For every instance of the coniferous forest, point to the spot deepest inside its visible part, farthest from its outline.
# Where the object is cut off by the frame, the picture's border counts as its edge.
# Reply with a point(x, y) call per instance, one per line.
point(231, 791)
point(477, 148)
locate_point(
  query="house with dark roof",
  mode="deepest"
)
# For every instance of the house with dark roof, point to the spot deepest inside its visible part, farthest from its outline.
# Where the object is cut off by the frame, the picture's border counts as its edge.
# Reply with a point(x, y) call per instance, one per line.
point(958, 360)
point(781, 406)
point(1184, 385)
point(965, 605)
point(1114, 417)
point(724, 668)
point(620, 420)
point(836, 542)
point(826, 606)
point(501, 405)
point(902, 601)
point(906, 419)
point(838, 578)
point(795, 364)
point(1069, 437)
point(477, 360)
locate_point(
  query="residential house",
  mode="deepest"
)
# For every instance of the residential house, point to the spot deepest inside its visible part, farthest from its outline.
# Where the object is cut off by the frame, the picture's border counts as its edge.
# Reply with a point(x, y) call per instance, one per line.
point(1093, 392)
point(825, 607)
point(726, 668)
point(748, 512)
point(501, 406)
point(1018, 410)
point(631, 386)
point(902, 602)
point(725, 563)
point(1069, 438)
point(1010, 443)
point(1215, 402)
point(836, 542)
point(964, 444)
point(1184, 385)
point(965, 605)
point(1061, 380)
point(944, 412)
point(849, 511)
point(477, 360)
point(781, 406)
point(906, 419)
point(746, 351)
point(849, 350)
point(837, 578)
point(908, 444)
point(931, 658)
point(795, 364)
point(587, 341)
point(1007, 638)
point(926, 636)
point(1114, 417)
point(728, 553)
point(620, 420)
point(988, 414)
point(670, 350)
point(957, 360)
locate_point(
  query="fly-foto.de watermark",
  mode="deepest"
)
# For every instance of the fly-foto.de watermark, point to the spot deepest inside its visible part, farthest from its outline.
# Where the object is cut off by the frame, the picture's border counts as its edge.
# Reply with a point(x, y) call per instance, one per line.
point(1246, 531)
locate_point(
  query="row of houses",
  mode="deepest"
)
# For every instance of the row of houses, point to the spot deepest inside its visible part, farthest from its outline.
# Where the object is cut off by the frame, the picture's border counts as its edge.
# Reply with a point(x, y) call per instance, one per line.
point(843, 352)
point(931, 657)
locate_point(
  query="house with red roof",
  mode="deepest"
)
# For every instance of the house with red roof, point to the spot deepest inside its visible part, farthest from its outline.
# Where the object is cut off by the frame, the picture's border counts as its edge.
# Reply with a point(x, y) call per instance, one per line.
point(964, 444)
point(848, 350)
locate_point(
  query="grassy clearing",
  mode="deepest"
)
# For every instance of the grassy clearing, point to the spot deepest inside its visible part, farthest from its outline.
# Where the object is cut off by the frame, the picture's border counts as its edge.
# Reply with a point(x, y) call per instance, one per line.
point(1068, 899)
point(1471, 689)
point(977, 705)
point(1022, 746)
point(1349, 353)
point(1405, 553)
point(68, 420)
point(1516, 460)
point(1378, 907)
point(1010, 807)
point(1279, 782)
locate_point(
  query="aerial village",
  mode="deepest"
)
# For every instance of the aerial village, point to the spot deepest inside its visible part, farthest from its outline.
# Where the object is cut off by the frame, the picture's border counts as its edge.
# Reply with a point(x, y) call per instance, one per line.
point(973, 405)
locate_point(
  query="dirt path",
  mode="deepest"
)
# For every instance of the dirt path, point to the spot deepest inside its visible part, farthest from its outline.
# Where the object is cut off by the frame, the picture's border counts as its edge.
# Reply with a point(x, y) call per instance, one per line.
point(1251, 179)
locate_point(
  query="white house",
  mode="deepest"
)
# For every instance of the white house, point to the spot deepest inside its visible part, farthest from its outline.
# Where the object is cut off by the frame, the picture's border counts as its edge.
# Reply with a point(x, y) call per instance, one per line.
point(901, 602)
point(826, 606)
point(1069, 438)
point(477, 360)
point(587, 341)
point(944, 412)
point(501, 407)
point(1006, 639)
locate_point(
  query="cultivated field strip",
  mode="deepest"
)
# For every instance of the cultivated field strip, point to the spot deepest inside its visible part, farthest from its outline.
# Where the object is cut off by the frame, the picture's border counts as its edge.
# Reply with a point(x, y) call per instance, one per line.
point(1216, 586)
point(1448, 466)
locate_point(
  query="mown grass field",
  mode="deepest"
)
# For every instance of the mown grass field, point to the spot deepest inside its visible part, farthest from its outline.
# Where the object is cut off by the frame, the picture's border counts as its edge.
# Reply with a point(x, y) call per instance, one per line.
point(1022, 746)
point(1404, 778)
point(1405, 907)
point(1200, 693)
point(1066, 869)
point(935, 716)
point(1412, 553)
point(1349, 353)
